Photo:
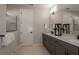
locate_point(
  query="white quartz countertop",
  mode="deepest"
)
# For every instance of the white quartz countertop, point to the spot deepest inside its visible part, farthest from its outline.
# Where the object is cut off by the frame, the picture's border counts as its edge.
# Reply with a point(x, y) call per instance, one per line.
point(69, 38)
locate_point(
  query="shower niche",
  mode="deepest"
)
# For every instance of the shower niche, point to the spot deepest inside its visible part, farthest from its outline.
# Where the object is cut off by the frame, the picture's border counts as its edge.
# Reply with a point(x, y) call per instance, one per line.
point(11, 23)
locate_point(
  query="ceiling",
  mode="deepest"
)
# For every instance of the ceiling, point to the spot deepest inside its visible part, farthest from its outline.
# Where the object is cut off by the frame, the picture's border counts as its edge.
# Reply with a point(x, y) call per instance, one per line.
point(72, 7)
point(17, 6)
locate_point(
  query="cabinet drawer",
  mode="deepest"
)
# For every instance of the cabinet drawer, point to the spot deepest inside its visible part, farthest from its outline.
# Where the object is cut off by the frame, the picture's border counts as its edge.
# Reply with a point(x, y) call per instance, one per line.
point(44, 36)
point(71, 53)
point(53, 40)
point(68, 46)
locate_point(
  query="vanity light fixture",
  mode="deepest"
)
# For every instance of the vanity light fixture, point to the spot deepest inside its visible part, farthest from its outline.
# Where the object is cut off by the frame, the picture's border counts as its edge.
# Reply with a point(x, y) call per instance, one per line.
point(53, 12)
point(53, 9)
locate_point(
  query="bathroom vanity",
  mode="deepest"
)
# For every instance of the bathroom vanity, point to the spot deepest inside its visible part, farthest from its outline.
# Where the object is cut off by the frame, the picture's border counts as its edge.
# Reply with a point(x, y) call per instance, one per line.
point(67, 44)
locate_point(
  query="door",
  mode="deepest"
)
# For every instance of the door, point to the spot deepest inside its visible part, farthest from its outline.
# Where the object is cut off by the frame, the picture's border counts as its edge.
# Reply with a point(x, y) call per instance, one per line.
point(60, 50)
point(26, 26)
point(51, 45)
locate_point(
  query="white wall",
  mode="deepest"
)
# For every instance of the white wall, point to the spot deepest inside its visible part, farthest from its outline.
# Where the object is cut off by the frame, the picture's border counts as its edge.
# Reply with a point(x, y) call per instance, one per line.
point(41, 16)
point(2, 19)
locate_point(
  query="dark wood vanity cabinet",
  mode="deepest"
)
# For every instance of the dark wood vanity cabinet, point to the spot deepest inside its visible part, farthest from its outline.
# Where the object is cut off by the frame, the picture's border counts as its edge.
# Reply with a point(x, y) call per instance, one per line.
point(58, 47)
point(59, 50)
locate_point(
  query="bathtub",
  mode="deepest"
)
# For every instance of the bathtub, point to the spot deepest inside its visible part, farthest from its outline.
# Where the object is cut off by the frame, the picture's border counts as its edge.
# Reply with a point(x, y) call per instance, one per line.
point(9, 43)
point(9, 38)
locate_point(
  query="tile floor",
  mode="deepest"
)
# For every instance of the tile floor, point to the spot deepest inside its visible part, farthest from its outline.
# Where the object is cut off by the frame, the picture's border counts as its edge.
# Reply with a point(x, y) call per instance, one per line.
point(31, 50)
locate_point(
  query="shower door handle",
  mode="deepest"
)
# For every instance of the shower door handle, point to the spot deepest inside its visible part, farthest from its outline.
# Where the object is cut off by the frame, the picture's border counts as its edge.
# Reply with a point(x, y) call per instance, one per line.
point(31, 32)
